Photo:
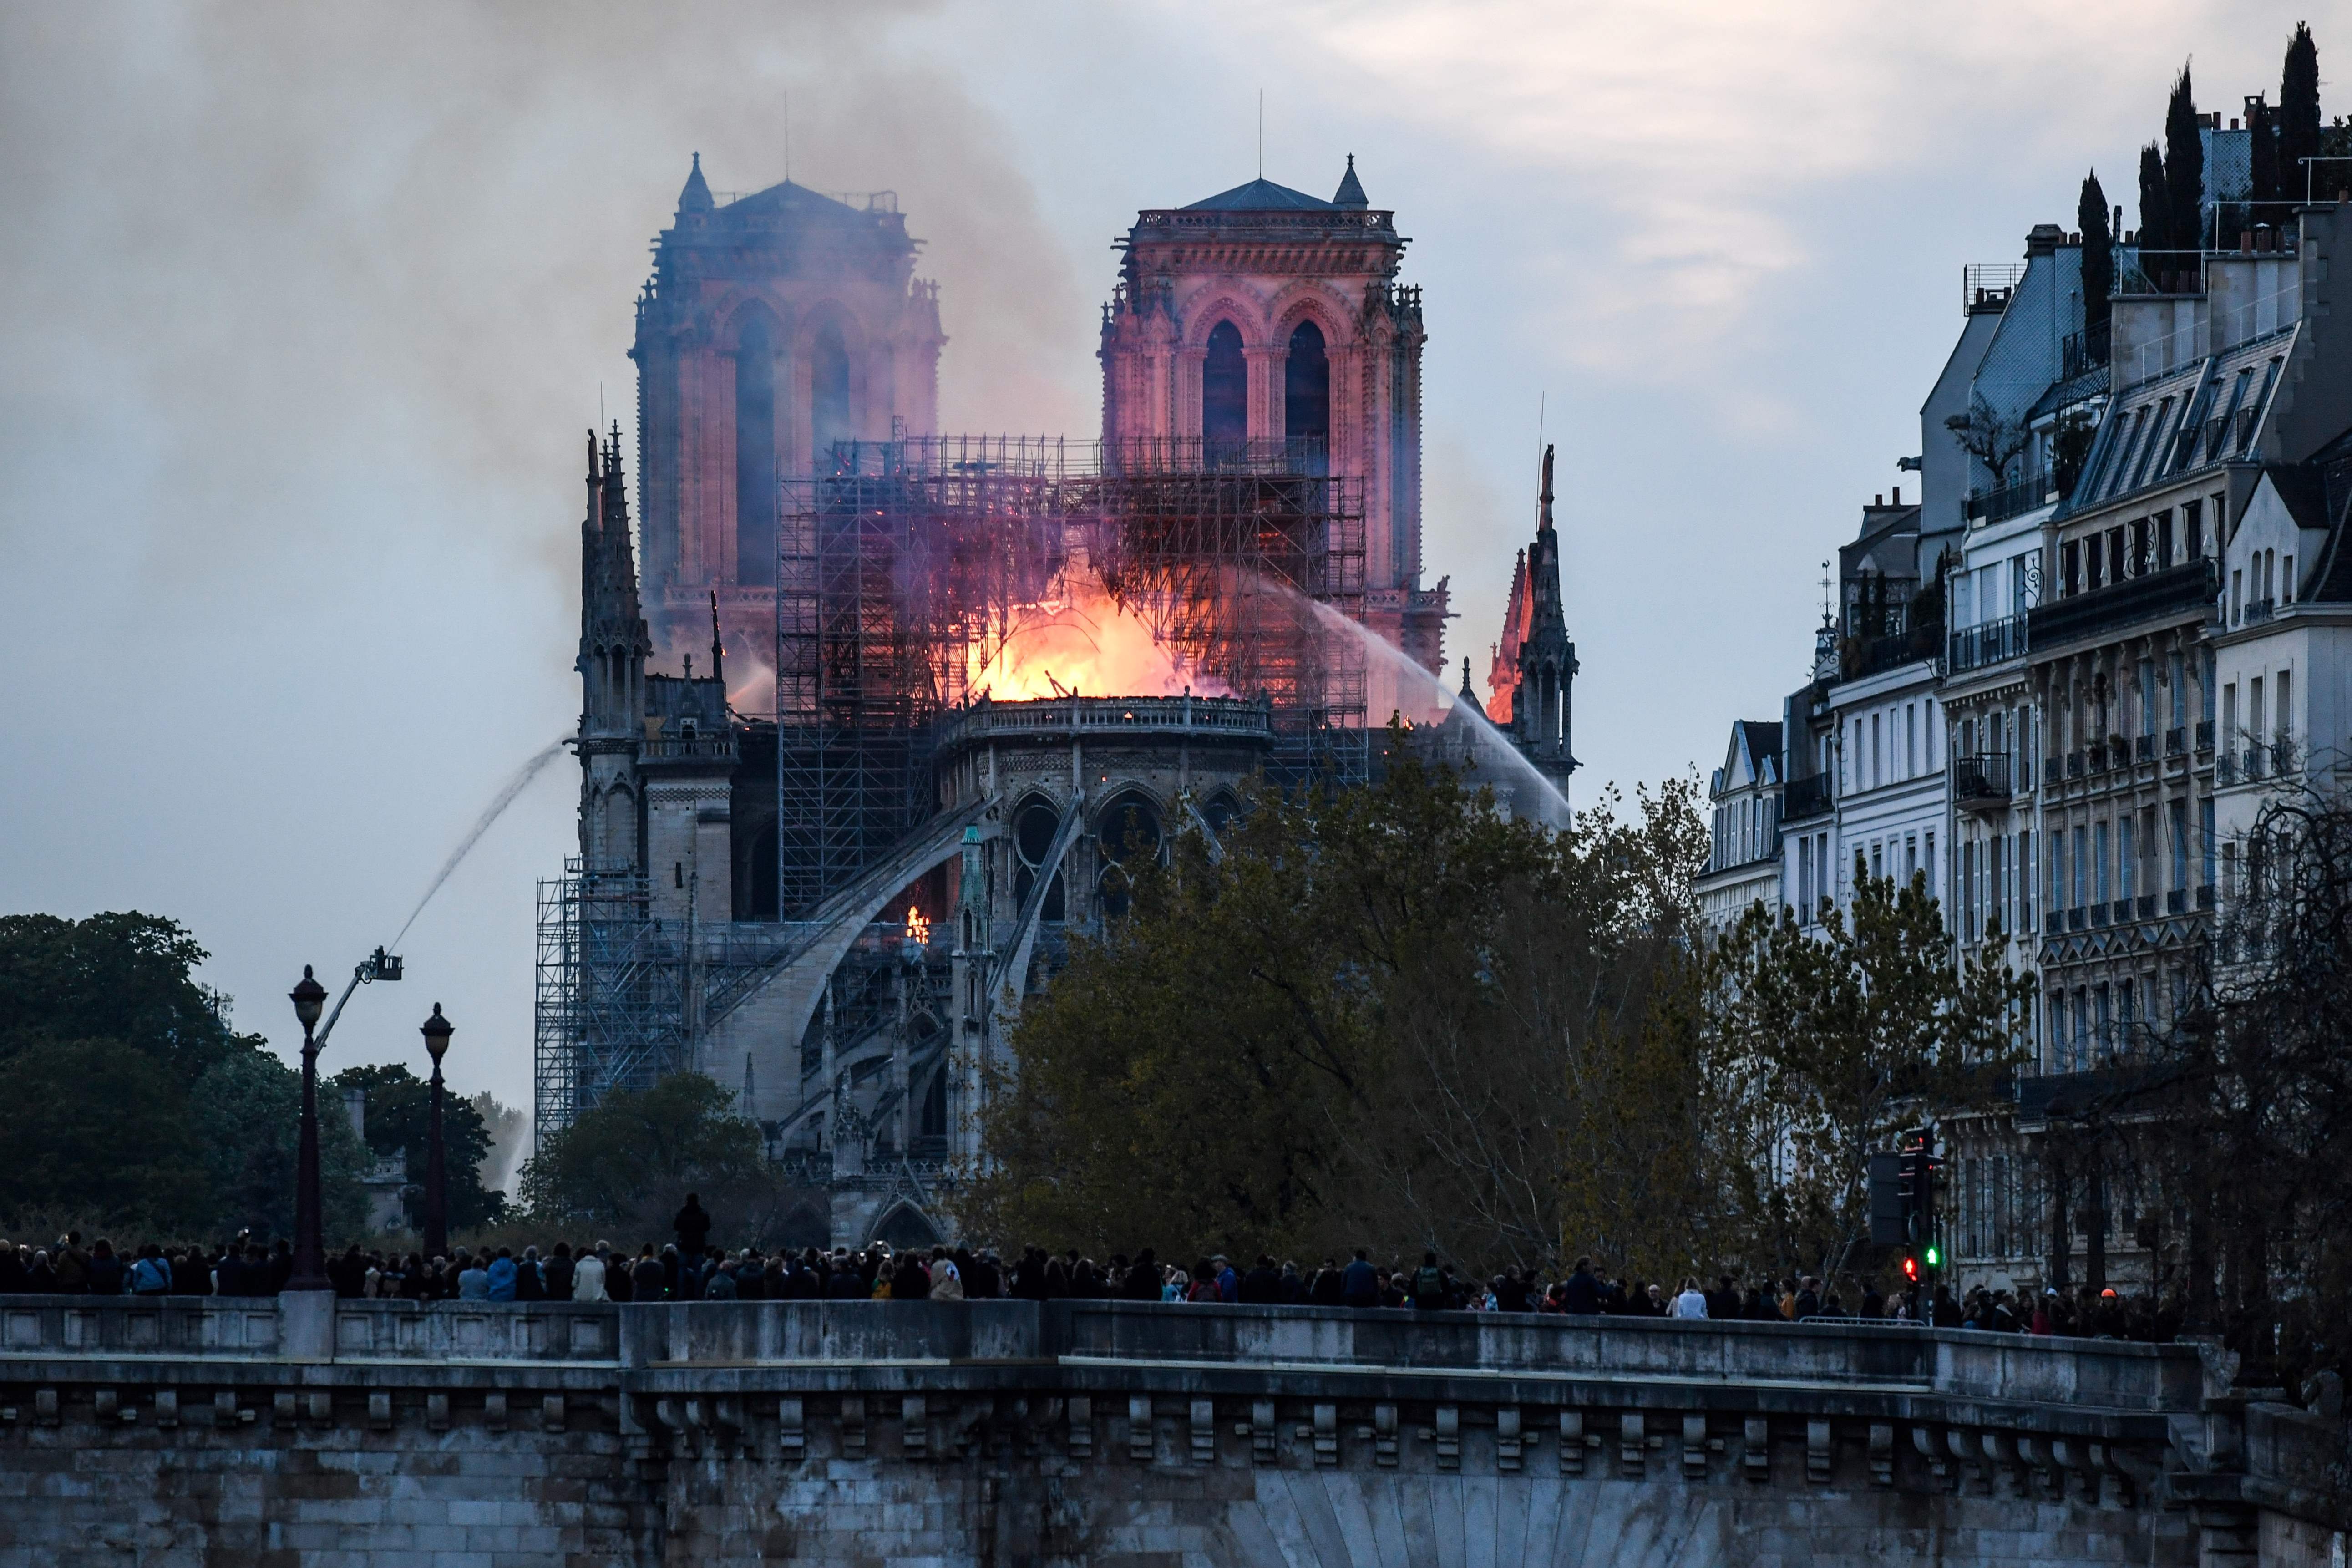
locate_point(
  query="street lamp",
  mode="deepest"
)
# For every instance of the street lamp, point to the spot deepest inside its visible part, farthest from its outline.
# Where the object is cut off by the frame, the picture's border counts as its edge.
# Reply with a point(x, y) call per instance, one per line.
point(310, 1243)
point(436, 1031)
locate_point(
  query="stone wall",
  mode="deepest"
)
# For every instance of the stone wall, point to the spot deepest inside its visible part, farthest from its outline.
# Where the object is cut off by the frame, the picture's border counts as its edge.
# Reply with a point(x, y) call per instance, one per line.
point(474, 1436)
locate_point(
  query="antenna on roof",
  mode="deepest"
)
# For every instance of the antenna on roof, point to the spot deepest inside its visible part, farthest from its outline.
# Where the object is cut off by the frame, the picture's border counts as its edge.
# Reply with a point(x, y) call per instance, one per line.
point(1825, 592)
point(788, 136)
point(1540, 397)
point(1261, 133)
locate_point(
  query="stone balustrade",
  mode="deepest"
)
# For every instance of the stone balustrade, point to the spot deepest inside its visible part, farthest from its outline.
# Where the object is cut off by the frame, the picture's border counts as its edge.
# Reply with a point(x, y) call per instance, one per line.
point(1014, 1430)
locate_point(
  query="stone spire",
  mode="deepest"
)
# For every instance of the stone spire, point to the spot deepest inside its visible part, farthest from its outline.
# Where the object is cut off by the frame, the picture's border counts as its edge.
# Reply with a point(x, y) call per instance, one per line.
point(1351, 193)
point(695, 196)
point(614, 646)
point(1539, 722)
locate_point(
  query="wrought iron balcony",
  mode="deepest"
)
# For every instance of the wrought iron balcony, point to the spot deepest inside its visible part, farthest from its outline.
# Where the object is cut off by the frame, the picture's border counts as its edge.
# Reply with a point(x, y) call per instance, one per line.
point(2205, 897)
point(2144, 748)
point(2205, 734)
point(1806, 797)
point(2175, 902)
point(1980, 781)
point(1973, 647)
point(2176, 740)
point(2109, 610)
point(2008, 500)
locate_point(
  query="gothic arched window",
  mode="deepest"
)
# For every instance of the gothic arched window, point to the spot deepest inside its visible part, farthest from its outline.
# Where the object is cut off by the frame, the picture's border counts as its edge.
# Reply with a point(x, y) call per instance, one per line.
point(1225, 394)
point(829, 418)
point(1306, 397)
point(755, 456)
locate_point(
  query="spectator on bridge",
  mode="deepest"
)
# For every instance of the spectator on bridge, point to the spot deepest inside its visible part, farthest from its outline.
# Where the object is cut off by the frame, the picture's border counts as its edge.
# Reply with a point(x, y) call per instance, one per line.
point(648, 1280)
point(1360, 1283)
point(561, 1269)
point(693, 1227)
point(151, 1276)
point(1145, 1278)
point(502, 1270)
point(530, 1281)
point(72, 1265)
point(1511, 1292)
point(1228, 1281)
point(1429, 1285)
point(1580, 1294)
point(1690, 1301)
point(473, 1277)
point(947, 1279)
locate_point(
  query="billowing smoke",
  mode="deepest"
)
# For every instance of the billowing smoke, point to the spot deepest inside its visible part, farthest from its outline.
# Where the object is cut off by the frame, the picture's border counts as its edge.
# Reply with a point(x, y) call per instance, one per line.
point(307, 307)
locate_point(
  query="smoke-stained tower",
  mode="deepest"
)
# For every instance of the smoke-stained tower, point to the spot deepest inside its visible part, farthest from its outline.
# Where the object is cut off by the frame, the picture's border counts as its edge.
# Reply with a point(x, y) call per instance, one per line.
point(774, 324)
point(1262, 321)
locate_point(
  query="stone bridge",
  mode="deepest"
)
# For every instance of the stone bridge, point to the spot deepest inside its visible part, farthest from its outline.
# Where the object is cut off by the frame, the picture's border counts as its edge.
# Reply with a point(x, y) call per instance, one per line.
point(479, 1435)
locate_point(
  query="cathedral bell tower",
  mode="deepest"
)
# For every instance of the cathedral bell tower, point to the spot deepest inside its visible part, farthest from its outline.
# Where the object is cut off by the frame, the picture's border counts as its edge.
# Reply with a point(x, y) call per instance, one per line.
point(1261, 324)
point(775, 325)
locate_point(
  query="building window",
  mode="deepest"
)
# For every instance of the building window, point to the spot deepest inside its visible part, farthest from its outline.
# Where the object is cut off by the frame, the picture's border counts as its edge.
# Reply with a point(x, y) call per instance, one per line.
point(2082, 869)
point(2126, 864)
point(2099, 876)
point(2192, 524)
point(2180, 815)
point(2205, 831)
point(2095, 563)
point(1225, 393)
point(2163, 540)
point(2069, 570)
point(1307, 395)
point(756, 492)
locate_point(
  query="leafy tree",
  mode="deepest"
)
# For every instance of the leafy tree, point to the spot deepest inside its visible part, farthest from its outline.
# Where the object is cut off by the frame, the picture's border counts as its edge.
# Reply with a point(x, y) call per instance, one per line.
point(98, 1130)
point(629, 1163)
point(1369, 1020)
point(127, 977)
point(399, 1122)
point(2246, 1102)
point(2098, 254)
point(1830, 1044)
point(2184, 167)
point(247, 1109)
point(2298, 118)
point(2154, 212)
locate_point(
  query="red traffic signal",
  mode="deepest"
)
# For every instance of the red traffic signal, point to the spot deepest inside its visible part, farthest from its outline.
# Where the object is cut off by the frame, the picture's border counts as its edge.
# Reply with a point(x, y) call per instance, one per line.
point(1911, 1267)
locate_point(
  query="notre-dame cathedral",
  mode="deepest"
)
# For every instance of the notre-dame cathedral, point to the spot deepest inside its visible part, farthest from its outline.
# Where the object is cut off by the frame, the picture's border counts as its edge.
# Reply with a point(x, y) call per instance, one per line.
point(827, 867)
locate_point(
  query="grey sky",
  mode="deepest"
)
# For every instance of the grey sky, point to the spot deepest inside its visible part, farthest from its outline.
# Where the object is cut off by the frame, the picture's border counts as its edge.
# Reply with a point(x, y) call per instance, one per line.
point(307, 308)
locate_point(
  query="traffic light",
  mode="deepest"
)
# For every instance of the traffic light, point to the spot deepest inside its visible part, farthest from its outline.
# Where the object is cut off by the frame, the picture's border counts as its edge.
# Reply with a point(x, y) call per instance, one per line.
point(1903, 1202)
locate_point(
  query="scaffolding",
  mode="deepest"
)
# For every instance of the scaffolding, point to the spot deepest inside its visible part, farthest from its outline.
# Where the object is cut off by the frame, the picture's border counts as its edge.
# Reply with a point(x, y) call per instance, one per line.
point(906, 563)
point(609, 993)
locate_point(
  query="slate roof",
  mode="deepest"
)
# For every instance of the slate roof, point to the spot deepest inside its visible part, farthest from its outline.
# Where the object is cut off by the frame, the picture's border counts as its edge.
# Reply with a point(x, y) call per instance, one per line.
point(1262, 196)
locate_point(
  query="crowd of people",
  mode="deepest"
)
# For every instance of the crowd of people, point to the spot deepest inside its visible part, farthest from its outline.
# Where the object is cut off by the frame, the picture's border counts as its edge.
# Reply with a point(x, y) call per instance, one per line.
point(690, 1268)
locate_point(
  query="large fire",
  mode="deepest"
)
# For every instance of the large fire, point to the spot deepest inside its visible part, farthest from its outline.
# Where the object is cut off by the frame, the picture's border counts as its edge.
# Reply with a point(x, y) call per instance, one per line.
point(1082, 641)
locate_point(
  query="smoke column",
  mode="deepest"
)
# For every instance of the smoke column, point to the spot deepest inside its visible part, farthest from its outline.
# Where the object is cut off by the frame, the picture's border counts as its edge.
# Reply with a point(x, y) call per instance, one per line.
point(497, 808)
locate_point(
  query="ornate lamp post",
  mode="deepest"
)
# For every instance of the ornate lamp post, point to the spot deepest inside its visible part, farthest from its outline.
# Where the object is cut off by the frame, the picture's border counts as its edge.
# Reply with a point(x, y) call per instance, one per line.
point(310, 1243)
point(436, 1031)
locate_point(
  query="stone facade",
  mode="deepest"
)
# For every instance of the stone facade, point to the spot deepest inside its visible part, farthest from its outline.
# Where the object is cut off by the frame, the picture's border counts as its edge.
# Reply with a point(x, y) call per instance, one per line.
point(1107, 1432)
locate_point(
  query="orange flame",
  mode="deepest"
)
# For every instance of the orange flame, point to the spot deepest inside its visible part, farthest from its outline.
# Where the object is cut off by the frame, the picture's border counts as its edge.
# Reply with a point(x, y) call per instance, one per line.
point(1083, 641)
point(918, 925)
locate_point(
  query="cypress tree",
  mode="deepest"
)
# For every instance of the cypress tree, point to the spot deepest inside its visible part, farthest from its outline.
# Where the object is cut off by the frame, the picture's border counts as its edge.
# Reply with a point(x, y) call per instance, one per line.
point(2184, 168)
point(2155, 211)
point(2098, 253)
point(2298, 112)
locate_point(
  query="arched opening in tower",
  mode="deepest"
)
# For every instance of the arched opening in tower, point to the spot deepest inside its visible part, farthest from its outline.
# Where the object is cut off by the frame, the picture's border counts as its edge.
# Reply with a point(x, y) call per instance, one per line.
point(755, 456)
point(1306, 399)
point(1225, 395)
point(829, 394)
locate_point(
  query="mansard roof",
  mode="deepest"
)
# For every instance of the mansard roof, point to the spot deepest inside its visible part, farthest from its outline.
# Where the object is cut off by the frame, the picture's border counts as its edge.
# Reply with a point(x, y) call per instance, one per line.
point(1263, 195)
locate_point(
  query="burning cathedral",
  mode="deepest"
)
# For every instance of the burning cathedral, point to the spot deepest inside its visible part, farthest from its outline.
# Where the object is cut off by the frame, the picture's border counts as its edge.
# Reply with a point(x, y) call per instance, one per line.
point(951, 689)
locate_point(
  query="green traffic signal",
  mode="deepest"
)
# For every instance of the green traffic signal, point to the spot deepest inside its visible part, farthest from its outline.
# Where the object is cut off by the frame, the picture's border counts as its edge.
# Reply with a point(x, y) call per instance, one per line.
point(1934, 1255)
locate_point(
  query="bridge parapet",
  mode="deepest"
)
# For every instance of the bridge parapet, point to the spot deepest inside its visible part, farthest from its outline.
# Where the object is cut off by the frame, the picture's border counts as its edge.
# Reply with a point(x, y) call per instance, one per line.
point(1037, 1431)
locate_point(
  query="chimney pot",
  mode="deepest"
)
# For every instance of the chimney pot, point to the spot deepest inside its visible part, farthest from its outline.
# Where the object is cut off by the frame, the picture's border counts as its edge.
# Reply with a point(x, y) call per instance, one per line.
point(1899, 495)
point(2233, 123)
point(1878, 501)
